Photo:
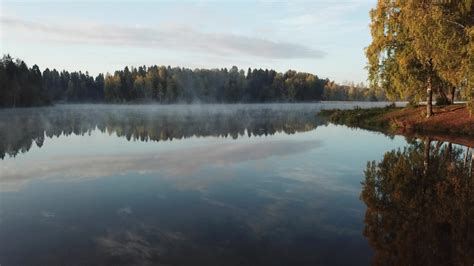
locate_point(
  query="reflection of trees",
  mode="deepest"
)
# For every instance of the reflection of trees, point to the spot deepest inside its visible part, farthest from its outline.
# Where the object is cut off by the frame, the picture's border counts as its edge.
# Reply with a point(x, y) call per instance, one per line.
point(420, 206)
point(20, 128)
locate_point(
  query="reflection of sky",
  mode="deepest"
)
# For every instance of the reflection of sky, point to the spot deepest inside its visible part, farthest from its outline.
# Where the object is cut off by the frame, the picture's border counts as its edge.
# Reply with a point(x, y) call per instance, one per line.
point(319, 155)
point(180, 161)
point(138, 200)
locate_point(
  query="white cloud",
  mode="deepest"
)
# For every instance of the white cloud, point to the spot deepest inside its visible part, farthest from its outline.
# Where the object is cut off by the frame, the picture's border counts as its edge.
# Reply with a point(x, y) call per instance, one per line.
point(169, 38)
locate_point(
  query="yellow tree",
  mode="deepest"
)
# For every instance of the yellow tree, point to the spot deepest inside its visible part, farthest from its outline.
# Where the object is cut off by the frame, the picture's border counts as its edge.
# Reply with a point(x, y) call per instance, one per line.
point(439, 35)
point(392, 61)
point(421, 43)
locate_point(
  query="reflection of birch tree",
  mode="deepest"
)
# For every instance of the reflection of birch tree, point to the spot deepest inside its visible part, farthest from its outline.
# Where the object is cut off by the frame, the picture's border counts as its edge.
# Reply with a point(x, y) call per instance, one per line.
point(420, 206)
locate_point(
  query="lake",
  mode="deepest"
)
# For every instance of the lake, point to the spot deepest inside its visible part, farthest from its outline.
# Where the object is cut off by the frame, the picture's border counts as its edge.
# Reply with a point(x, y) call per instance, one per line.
point(263, 184)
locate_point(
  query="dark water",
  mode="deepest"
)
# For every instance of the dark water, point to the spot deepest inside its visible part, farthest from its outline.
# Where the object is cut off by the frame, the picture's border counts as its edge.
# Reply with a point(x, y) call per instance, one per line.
point(226, 185)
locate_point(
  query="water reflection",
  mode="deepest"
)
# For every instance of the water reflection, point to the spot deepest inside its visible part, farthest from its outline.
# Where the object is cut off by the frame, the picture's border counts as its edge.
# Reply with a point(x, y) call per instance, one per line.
point(285, 199)
point(173, 163)
point(420, 205)
point(19, 129)
point(103, 200)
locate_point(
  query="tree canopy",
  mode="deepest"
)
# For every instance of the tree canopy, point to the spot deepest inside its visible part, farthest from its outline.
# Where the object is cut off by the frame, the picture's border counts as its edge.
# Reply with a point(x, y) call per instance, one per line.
point(420, 47)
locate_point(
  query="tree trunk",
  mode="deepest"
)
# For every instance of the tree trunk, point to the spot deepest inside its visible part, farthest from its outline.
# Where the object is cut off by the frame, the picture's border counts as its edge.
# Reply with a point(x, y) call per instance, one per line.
point(449, 156)
point(429, 99)
point(472, 164)
point(426, 155)
point(452, 92)
point(438, 146)
point(449, 151)
point(443, 96)
point(466, 156)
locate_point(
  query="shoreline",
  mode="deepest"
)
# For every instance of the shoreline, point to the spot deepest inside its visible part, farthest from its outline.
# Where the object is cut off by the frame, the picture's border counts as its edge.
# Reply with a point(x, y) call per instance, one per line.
point(449, 123)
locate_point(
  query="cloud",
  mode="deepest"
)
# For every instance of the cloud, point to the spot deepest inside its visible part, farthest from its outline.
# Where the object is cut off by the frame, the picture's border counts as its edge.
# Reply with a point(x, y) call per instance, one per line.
point(171, 38)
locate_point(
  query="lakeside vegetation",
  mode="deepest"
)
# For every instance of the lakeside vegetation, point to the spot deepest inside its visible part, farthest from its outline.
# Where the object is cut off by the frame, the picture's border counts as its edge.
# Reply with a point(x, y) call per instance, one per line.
point(23, 86)
point(422, 48)
point(371, 119)
point(449, 120)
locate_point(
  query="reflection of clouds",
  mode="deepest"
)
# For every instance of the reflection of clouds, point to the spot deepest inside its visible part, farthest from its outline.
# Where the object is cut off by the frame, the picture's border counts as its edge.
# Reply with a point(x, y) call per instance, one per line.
point(124, 211)
point(139, 245)
point(313, 205)
point(327, 181)
point(128, 246)
point(47, 214)
point(224, 205)
point(179, 162)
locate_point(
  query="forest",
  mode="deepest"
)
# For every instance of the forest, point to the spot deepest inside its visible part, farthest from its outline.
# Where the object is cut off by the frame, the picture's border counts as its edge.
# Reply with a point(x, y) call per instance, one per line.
point(23, 86)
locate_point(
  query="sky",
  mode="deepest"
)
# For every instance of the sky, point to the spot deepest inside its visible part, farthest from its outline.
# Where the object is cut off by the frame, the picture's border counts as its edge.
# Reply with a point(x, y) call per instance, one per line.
point(326, 38)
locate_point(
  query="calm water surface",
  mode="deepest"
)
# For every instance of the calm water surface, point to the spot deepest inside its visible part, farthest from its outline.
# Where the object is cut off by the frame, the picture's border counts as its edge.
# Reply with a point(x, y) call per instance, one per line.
point(224, 185)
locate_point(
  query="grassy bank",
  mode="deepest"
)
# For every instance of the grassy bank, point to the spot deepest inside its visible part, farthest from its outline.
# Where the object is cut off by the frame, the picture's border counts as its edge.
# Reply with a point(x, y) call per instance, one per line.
point(453, 120)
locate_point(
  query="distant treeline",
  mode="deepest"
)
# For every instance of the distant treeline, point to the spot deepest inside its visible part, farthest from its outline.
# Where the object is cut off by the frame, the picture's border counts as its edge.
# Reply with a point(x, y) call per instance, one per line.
point(23, 86)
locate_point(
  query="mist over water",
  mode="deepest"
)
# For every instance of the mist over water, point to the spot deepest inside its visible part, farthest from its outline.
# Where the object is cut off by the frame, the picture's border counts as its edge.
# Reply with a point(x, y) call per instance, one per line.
point(243, 184)
point(20, 128)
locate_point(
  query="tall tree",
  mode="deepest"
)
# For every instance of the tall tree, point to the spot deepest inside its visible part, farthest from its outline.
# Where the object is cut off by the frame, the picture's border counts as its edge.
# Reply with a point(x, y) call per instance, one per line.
point(420, 43)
